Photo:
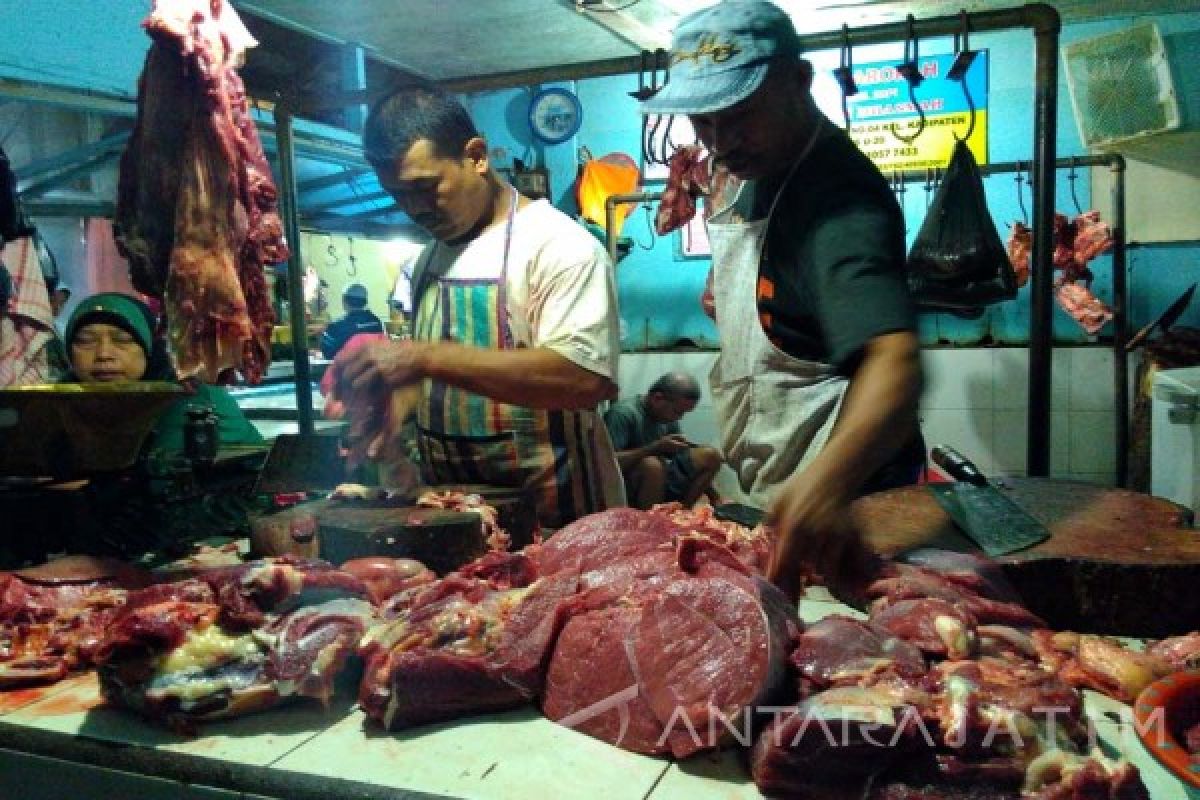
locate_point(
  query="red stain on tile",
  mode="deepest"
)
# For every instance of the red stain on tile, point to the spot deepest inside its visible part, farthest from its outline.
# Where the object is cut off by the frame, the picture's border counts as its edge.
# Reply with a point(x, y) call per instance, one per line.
point(16, 698)
point(82, 696)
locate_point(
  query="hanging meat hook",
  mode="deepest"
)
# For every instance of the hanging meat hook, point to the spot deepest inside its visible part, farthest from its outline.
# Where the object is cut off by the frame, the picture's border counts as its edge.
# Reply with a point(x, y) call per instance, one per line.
point(331, 256)
point(1072, 177)
point(844, 74)
point(910, 70)
point(351, 270)
point(1020, 177)
point(964, 56)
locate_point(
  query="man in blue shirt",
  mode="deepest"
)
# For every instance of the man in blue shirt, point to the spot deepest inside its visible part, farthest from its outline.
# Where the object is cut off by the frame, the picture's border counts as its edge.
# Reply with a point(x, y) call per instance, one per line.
point(358, 319)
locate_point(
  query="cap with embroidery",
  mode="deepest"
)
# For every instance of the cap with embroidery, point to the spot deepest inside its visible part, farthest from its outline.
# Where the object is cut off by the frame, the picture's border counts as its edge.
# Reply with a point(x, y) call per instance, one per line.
point(719, 56)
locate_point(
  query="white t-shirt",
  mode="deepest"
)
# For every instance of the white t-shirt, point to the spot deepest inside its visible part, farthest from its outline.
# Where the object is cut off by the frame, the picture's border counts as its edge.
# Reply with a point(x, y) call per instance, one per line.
point(561, 290)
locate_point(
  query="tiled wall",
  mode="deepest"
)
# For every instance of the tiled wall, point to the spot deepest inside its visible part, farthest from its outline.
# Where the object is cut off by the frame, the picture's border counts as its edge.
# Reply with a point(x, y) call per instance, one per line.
point(975, 399)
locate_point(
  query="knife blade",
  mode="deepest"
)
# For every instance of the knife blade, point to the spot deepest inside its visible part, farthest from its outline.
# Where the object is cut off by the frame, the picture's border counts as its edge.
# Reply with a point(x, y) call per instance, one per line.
point(1165, 320)
point(985, 514)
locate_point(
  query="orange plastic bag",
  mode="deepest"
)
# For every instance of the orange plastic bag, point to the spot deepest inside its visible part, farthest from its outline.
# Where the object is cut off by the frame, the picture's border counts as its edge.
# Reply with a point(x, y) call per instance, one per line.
point(601, 178)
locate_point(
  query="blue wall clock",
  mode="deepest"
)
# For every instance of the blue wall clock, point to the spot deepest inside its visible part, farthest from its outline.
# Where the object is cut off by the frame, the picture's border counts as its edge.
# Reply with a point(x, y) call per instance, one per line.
point(555, 115)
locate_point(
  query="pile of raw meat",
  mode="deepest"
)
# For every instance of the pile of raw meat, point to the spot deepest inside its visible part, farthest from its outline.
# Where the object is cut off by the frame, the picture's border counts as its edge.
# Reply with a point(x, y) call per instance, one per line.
point(232, 640)
point(1076, 242)
point(653, 631)
point(196, 206)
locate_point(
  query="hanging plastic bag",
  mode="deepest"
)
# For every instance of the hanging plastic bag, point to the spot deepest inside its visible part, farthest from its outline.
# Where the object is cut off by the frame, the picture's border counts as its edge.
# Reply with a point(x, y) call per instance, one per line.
point(958, 262)
point(601, 178)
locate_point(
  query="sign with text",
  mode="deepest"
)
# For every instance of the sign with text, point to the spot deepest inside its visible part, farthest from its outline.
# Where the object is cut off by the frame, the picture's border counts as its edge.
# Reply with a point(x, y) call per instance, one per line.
point(882, 116)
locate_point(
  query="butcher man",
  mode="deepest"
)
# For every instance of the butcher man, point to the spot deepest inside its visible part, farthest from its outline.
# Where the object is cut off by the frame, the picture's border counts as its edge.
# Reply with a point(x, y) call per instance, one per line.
point(515, 333)
point(818, 376)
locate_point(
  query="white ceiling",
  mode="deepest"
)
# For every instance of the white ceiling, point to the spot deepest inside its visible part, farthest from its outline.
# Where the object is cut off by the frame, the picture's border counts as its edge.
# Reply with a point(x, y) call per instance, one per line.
point(452, 40)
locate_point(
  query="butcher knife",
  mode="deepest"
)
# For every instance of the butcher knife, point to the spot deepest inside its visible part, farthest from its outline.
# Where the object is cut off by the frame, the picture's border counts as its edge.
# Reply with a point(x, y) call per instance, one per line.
point(1165, 320)
point(983, 512)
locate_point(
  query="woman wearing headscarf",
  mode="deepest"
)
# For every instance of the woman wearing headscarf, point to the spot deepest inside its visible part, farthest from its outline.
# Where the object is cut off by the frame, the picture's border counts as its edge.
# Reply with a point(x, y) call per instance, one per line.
point(110, 337)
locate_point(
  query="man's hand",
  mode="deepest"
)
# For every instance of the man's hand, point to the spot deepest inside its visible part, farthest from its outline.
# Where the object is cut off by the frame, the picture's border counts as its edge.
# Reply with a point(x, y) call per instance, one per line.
point(379, 366)
point(670, 444)
point(814, 533)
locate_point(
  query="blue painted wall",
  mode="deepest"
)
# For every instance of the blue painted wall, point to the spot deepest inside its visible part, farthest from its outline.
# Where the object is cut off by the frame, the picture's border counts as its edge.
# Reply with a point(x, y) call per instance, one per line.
point(659, 291)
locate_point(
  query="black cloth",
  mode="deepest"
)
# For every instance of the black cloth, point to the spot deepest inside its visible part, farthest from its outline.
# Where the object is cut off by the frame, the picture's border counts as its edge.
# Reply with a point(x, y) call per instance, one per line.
point(832, 275)
point(341, 331)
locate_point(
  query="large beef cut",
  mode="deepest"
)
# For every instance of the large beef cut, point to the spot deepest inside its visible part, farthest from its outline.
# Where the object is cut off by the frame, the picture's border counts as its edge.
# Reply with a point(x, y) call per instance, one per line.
point(232, 641)
point(196, 206)
point(649, 630)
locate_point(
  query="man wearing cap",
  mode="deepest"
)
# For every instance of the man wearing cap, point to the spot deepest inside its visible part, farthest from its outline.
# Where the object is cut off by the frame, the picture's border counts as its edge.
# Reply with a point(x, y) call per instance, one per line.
point(514, 323)
point(358, 319)
point(818, 377)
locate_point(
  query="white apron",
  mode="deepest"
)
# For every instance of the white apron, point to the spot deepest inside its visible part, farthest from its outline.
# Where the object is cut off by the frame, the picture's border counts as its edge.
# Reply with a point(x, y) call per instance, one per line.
point(775, 411)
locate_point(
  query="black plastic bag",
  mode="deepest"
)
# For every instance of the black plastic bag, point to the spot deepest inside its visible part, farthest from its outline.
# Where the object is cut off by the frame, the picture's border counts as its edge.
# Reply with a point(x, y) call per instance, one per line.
point(13, 224)
point(957, 262)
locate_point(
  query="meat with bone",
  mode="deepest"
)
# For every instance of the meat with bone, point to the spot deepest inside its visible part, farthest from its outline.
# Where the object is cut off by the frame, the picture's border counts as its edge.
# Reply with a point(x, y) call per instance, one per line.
point(1100, 663)
point(1005, 722)
point(687, 181)
point(495, 535)
point(53, 618)
point(1179, 652)
point(1078, 300)
point(237, 641)
point(1020, 247)
point(196, 206)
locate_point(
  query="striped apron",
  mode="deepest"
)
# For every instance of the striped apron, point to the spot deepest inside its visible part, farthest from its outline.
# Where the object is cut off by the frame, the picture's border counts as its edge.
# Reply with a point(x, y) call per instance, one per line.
point(564, 458)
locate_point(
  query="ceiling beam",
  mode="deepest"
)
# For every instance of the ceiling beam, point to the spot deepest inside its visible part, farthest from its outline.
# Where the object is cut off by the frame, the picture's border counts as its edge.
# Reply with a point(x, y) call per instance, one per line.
point(109, 144)
point(348, 200)
point(346, 176)
point(70, 208)
point(69, 174)
point(623, 25)
point(622, 65)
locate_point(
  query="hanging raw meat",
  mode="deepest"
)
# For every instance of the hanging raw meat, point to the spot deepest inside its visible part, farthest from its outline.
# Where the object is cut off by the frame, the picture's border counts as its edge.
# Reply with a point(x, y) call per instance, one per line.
point(196, 206)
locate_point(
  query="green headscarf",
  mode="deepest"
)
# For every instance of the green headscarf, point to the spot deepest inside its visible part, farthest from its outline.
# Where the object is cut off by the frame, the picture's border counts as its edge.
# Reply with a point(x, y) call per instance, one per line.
point(113, 308)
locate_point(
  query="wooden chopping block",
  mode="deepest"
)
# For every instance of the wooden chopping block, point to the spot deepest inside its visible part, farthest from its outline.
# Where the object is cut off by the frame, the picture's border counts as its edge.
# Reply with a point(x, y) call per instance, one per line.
point(1117, 562)
point(441, 540)
point(515, 509)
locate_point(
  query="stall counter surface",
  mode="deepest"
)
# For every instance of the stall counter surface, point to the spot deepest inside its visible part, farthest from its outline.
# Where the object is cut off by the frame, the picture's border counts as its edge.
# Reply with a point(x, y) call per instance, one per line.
point(303, 751)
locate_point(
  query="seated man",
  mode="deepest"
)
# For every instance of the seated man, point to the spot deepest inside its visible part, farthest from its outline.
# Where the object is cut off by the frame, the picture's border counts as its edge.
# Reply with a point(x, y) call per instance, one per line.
point(658, 463)
point(358, 319)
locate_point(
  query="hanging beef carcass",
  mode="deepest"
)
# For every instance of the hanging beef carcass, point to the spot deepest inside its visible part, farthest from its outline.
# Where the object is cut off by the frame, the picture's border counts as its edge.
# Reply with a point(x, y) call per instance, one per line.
point(196, 206)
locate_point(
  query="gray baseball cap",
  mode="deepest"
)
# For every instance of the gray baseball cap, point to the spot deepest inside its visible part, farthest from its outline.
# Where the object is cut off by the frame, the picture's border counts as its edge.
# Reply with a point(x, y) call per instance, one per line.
point(720, 54)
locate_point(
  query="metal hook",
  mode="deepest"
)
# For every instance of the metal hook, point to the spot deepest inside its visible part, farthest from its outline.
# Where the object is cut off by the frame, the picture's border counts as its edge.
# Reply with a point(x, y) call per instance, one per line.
point(331, 256)
point(351, 270)
point(910, 70)
point(1072, 177)
point(844, 74)
point(930, 179)
point(1020, 178)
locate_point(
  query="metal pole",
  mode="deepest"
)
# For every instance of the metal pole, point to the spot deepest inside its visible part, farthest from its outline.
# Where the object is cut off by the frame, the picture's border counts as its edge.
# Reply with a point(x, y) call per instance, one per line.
point(1120, 321)
point(288, 203)
point(610, 216)
point(1042, 291)
point(1031, 15)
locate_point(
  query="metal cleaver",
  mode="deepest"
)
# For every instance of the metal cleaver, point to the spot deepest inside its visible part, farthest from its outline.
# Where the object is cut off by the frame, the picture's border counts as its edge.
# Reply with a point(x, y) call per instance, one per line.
point(987, 515)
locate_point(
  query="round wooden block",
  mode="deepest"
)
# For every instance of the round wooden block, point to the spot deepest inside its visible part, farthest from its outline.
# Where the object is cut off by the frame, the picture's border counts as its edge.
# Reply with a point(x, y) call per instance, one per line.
point(1117, 561)
point(441, 540)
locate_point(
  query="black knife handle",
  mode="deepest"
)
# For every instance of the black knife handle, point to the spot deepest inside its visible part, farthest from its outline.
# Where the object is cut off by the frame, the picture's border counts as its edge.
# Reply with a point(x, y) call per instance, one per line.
point(957, 465)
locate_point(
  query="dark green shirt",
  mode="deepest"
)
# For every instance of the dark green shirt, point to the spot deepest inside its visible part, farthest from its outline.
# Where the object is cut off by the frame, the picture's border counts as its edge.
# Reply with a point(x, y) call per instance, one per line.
point(232, 428)
point(832, 275)
point(630, 425)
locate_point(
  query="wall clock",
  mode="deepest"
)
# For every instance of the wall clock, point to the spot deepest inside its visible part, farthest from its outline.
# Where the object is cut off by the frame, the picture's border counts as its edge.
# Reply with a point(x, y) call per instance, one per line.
point(555, 115)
